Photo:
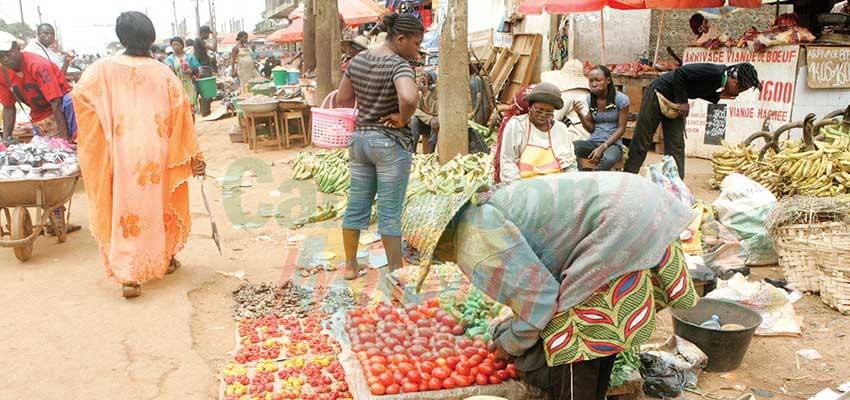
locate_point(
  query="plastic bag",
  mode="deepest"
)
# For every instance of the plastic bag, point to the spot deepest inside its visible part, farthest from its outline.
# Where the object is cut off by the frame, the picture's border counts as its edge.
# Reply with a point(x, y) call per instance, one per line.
point(671, 368)
point(722, 251)
point(666, 175)
point(772, 303)
point(743, 207)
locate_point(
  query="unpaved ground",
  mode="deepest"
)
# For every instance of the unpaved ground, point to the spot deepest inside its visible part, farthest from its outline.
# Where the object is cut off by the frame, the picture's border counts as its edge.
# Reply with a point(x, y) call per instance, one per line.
point(67, 333)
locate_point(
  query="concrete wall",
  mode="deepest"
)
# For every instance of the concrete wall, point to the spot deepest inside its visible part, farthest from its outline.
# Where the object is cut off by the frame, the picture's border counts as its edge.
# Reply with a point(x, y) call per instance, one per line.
point(626, 34)
point(818, 101)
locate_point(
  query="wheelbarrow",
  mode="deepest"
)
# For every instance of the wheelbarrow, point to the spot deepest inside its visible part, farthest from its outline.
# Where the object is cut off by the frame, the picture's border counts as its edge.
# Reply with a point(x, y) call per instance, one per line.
point(46, 196)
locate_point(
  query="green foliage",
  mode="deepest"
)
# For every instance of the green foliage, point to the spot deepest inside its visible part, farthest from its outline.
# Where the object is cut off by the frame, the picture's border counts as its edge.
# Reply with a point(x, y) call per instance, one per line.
point(19, 30)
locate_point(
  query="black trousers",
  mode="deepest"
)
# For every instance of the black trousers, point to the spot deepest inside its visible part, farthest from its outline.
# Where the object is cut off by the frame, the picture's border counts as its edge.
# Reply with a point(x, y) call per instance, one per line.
point(648, 119)
point(585, 380)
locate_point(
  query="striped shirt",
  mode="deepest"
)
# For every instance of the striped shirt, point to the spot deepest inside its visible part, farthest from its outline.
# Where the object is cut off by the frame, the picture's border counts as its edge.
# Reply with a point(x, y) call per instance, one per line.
point(373, 78)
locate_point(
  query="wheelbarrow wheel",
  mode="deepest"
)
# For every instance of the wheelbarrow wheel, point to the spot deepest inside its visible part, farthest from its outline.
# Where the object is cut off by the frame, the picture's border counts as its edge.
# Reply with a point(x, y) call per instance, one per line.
point(22, 228)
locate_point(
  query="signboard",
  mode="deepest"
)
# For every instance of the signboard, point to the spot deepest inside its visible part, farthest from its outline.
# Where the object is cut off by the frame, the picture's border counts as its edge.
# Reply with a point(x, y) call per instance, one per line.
point(503, 40)
point(777, 69)
point(829, 67)
point(715, 124)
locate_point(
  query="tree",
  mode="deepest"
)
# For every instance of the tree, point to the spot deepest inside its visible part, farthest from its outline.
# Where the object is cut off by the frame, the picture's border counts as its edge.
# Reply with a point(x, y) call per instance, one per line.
point(327, 21)
point(453, 83)
point(17, 29)
point(309, 45)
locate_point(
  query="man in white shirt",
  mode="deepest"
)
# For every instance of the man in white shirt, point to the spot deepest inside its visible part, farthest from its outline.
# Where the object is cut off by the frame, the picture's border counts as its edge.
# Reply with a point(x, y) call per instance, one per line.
point(841, 7)
point(41, 46)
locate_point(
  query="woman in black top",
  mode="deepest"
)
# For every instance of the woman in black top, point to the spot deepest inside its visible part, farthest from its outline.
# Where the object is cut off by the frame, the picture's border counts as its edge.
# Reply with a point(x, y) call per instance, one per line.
point(383, 83)
point(665, 101)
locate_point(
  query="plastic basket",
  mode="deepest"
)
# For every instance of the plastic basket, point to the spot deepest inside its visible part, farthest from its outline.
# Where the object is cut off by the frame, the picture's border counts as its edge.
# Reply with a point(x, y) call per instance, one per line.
point(332, 127)
point(208, 87)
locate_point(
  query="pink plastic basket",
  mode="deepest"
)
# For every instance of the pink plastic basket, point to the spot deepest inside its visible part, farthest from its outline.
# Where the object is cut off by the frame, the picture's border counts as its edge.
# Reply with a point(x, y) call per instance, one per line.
point(332, 127)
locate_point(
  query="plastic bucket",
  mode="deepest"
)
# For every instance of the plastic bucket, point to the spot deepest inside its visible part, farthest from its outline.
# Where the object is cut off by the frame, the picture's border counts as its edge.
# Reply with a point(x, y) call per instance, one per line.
point(725, 349)
point(280, 77)
point(208, 87)
point(293, 76)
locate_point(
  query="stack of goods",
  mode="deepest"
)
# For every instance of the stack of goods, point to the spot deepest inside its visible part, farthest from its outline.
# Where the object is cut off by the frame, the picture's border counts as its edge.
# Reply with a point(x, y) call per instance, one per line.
point(331, 171)
point(284, 346)
point(475, 311)
point(39, 159)
point(285, 358)
point(809, 167)
point(419, 349)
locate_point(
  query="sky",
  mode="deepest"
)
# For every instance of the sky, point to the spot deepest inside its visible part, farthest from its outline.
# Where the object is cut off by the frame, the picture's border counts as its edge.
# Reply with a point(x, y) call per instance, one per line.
point(86, 26)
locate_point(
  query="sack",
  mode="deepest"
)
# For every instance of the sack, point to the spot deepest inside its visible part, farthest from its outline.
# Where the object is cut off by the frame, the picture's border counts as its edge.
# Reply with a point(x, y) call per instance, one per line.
point(743, 207)
point(668, 108)
point(666, 175)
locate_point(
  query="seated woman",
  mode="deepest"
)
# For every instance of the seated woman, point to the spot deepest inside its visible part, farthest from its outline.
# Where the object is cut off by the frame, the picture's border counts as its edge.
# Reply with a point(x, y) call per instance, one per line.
point(534, 144)
point(606, 121)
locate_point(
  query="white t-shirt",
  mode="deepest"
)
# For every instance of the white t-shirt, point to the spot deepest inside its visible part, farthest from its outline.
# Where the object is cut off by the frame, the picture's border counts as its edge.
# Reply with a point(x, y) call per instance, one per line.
point(839, 7)
point(35, 47)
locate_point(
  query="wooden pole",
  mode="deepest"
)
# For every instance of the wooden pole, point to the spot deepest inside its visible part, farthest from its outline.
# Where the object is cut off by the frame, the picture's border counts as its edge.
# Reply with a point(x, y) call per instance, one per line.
point(660, 34)
point(602, 26)
point(453, 83)
point(326, 19)
point(335, 45)
point(309, 44)
point(571, 40)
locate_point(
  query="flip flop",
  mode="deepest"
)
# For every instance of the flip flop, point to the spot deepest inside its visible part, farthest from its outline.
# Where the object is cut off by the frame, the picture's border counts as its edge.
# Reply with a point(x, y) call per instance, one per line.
point(130, 291)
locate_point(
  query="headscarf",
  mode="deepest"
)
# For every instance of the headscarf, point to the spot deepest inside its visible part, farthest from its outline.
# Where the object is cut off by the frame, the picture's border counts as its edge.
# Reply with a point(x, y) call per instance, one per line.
point(518, 107)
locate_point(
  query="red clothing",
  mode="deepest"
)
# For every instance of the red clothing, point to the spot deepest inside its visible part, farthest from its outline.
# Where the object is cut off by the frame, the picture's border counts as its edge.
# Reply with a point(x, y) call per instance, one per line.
point(39, 82)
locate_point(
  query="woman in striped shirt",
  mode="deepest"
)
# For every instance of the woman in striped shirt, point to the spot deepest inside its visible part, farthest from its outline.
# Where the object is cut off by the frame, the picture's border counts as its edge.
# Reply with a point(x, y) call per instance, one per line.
point(383, 83)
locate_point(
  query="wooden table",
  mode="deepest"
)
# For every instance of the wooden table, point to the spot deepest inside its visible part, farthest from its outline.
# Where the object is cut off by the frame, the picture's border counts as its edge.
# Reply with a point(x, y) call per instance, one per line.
point(285, 106)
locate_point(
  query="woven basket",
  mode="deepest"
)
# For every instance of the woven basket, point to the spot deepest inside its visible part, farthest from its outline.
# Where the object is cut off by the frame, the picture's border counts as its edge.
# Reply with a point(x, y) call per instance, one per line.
point(795, 247)
point(833, 261)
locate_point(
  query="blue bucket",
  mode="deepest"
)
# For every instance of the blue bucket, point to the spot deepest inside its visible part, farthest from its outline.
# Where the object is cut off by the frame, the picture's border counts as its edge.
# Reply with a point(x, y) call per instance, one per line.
point(293, 77)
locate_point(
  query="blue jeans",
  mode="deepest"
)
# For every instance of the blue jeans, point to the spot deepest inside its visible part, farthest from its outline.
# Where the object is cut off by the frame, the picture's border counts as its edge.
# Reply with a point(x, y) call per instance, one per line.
point(379, 166)
point(612, 155)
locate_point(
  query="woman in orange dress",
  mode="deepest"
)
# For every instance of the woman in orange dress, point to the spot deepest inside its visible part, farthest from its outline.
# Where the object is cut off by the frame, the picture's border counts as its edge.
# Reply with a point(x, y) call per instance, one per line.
point(137, 151)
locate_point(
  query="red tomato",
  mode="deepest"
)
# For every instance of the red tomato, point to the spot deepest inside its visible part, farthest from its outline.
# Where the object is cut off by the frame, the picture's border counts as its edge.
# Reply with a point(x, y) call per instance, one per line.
point(503, 374)
point(446, 352)
point(462, 368)
point(378, 389)
point(448, 320)
point(435, 384)
point(458, 330)
point(399, 349)
point(440, 373)
point(410, 307)
point(405, 367)
point(470, 351)
point(393, 389)
point(426, 332)
point(500, 365)
point(482, 379)
point(485, 369)
point(417, 350)
point(372, 380)
point(423, 323)
point(483, 353)
point(433, 302)
point(428, 366)
point(430, 312)
point(449, 383)
point(386, 379)
point(452, 362)
point(466, 381)
point(512, 371)
point(398, 358)
point(475, 360)
point(423, 386)
point(378, 360)
point(378, 369)
point(464, 343)
point(445, 329)
point(414, 376)
point(480, 343)
point(495, 380)
point(409, 387)
point(444, 343)
point(398, 377)
point(373, 351)
point(415, 316)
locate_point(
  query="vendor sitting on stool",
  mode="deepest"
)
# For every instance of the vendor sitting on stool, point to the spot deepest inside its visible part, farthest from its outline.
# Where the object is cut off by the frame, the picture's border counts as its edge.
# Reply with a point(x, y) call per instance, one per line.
point(606, 121)
point(534, 144)
point(425, 122)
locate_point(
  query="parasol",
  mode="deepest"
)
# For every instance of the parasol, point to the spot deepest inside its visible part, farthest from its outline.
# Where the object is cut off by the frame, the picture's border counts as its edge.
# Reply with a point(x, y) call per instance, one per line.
point(291, 34)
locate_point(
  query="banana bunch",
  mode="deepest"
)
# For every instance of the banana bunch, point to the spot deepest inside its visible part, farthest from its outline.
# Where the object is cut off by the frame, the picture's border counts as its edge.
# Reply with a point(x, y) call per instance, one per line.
point(333, 176)
point(306, 165)
point(324, 212)
point(732, 159)
point(822, 172)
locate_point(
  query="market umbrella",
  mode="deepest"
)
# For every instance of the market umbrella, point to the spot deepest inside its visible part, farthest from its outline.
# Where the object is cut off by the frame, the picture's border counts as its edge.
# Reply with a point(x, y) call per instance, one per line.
point(354, 12)
point(230, 38)
point(291, 34)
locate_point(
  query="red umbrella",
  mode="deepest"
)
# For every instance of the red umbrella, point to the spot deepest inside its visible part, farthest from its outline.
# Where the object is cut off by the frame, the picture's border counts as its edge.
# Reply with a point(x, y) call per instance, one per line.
point(573, 6)
point(291, 34)
point(354, 12)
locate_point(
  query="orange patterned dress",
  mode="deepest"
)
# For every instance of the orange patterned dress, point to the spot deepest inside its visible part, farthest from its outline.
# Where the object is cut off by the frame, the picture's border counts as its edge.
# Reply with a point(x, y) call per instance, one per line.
point(136, 141)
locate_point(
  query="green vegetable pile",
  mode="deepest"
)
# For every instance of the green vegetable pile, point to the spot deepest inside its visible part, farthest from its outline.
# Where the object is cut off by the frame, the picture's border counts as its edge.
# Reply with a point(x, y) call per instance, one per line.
point(475, 313)
point(627, 362)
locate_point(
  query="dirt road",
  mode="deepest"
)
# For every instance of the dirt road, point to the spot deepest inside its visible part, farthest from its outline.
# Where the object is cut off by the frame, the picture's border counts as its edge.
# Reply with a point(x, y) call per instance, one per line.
point(68, 334)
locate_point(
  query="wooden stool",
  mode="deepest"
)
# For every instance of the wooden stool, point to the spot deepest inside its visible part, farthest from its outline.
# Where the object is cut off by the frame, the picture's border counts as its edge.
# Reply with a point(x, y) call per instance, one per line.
point(588, 165)
point(272, 119)
point(302, 134)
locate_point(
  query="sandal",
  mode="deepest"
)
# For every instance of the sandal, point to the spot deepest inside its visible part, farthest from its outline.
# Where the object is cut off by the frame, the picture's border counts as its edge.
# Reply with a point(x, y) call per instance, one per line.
point(131, 290)
point(173, 266)
point(353, 272)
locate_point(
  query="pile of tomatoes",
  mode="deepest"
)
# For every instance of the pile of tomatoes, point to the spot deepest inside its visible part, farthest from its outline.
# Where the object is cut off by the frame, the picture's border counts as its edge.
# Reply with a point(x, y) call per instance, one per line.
point(418, 349)
point(273, 337)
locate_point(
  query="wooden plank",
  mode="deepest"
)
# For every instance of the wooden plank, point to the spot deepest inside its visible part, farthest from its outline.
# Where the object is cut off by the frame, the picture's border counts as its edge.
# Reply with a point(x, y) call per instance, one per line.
point(528, 47)
point(503, 69)
point(487, 68)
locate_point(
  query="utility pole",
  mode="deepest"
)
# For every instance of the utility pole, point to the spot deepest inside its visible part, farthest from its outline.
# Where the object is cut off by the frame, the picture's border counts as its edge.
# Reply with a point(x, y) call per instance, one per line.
point(197, 16)
point(38, 8)
point(176, 24)
point(452, 84)
point(21, 7)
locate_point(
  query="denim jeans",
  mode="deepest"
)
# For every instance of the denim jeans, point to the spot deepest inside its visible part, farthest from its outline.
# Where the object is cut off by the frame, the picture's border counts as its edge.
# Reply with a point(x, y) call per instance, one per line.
point(379, 166)
point(613, 154)
point(419, 128)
